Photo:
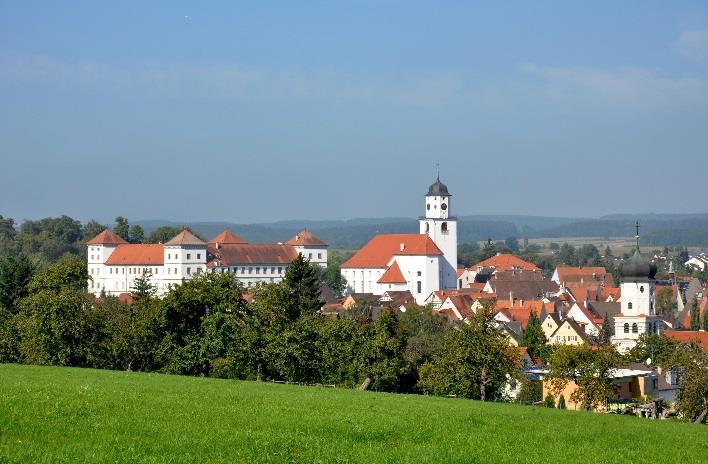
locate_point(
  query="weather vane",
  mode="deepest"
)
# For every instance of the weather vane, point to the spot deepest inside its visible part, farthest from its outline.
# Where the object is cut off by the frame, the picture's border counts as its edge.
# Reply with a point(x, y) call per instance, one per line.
point(437, 167)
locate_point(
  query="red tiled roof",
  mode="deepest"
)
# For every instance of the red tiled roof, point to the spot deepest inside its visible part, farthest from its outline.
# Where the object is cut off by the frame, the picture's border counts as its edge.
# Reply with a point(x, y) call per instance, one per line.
point(518, 312)
point(185, 238)
point(393, 275)
point(227, 237)
point(379, 250)
point(138, 253)
point(107, 237)
point(506, 262)
point(305, 238)
point(567, 271)
point(251, 253)
point(701, 337)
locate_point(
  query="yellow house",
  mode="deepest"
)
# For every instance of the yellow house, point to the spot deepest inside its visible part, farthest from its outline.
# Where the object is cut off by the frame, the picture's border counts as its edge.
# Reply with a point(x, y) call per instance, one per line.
point(629, 383)
point(550, 324)
point(568, 332)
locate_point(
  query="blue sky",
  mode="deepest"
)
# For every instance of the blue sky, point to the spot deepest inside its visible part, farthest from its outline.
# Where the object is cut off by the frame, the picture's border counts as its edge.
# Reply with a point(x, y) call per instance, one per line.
point(250, 112)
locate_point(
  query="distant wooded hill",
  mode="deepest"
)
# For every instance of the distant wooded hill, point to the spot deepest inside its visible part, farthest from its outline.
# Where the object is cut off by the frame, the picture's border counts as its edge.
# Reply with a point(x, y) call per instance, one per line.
point(657, 229)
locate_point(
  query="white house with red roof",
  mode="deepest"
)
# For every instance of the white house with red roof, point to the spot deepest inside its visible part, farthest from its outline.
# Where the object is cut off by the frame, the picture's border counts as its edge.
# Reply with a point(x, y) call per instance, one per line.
point(420, 263)
point(114, 264)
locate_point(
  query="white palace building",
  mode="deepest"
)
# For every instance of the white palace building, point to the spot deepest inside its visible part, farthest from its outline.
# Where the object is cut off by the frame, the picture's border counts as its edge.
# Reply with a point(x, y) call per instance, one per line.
point(421, 263)
point(114, 264)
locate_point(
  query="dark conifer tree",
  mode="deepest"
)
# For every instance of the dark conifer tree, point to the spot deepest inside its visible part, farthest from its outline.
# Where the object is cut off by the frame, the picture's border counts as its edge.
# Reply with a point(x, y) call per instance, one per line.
point(303, 285)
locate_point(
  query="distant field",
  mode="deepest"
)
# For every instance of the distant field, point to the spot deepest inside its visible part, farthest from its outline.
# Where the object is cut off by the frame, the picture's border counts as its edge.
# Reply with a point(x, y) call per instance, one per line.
point(81, 415)
point(619, 245)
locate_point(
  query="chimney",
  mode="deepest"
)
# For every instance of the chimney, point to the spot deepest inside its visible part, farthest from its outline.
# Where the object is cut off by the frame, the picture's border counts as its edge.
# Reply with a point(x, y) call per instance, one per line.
point(218, 245)
point(403, 246)
point(521, 303)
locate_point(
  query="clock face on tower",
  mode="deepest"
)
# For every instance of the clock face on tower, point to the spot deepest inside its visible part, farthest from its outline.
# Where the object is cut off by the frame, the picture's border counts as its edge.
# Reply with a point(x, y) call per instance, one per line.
point(443, 206)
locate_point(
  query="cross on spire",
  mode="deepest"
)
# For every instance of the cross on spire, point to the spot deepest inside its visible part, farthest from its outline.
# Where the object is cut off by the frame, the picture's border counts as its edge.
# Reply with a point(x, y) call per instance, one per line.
point(437, 167)
point(636, 237)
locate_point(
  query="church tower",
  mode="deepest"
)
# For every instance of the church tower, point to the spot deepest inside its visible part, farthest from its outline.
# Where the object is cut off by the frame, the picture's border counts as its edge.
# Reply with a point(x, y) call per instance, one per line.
point(442, 229)
point(638, 312)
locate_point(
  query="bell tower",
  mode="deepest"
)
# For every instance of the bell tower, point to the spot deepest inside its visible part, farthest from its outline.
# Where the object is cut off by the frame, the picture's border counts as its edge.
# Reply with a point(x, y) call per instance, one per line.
point(441, 227)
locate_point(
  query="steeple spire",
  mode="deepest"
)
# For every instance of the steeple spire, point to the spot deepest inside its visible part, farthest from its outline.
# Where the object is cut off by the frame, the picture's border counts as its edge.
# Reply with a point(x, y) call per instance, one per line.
point(636, 237)
point(437, 166)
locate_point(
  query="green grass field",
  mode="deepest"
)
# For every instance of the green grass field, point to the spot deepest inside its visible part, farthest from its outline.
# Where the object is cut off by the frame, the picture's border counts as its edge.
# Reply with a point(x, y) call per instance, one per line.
point(81, 415)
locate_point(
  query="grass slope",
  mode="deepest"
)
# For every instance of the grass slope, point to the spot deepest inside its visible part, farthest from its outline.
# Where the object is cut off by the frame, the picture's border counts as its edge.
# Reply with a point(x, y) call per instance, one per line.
point(80, 415)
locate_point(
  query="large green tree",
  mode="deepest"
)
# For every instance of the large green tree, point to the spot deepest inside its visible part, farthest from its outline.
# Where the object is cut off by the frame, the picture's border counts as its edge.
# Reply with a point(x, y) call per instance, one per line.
point(137, 234)
point(590, 369)
point(695, 314)
point(476, 361)
point(15, 275)
point(92, 228)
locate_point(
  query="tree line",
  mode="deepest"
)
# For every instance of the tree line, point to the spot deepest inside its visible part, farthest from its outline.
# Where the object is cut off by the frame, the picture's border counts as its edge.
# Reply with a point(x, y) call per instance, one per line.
point(207, 327)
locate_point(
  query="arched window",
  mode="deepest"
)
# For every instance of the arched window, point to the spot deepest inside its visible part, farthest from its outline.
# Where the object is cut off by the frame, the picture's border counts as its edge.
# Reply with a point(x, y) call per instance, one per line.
point(626, 327)
point(428, 206)
point(443, 227)
point(427, 227)
point(635, 329)
point(629, 305)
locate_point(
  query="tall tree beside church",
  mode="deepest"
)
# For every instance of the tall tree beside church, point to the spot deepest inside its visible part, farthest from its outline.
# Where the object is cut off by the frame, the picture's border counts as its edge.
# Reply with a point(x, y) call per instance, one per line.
point(122, 228)
point(534, 338)
point(303, 287)
point(695, 311)
point(137, 234)
point(143, 288)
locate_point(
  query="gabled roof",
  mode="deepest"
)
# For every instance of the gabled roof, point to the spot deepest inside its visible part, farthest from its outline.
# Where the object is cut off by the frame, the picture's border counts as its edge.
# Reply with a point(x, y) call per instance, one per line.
point(380, 249)
point(506, 262)
point(185, 238)
point(567, 273)
point(107, 237)
point(393, 275)
point(251, 253)
point(227, 237)
point(305, 238)
point(129, 254)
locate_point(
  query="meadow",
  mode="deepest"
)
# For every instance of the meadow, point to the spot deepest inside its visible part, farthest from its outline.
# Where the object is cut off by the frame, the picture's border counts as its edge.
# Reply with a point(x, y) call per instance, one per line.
point(52, 414)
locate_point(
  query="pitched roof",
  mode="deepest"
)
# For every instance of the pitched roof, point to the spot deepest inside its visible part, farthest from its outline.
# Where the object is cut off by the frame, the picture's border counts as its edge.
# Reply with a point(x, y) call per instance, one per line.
point(506, 262)
point(393, 275)
point(700, 337)
point(251, 253)
point(567, 273)
point(380, 249)
point(107, 237)
point(185, 238)
point(137, 254)
point(227, 237)
point(523, 289)
point(305, 238)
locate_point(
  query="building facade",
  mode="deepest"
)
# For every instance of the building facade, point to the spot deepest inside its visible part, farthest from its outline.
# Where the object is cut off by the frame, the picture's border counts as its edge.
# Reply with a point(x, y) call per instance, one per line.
point(114, 264)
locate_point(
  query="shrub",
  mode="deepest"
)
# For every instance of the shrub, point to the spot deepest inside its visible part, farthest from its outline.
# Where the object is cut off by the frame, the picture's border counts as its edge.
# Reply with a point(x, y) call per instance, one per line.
point(549, 402)
point(561, 402)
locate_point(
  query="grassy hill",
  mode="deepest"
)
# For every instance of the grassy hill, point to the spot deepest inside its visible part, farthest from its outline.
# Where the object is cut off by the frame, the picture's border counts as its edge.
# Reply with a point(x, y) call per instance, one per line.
point(80, 415)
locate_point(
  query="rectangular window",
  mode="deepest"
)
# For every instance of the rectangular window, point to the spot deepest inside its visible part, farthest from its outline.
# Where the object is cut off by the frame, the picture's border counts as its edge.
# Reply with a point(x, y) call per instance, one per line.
point(420, 286)
point(189, 271)
point(199, 256)
point(280, 270)
point(243, 270)
point(272, 270)
point(319, 255)
point(189, 255)
point(258, 270)
point(169, 270)
point(419, 273)
point(169, 256)
point(309, 255)
point(250, 270)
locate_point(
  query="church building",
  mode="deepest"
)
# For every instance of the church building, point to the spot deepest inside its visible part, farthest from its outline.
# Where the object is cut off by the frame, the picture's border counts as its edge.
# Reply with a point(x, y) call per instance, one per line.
point(420, 263)
point(638, 305)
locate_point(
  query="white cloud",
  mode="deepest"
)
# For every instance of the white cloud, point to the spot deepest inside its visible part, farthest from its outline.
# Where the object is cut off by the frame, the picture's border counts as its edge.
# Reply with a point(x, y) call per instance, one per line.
point(638, 87)
point(693, 44)
point(229, 80)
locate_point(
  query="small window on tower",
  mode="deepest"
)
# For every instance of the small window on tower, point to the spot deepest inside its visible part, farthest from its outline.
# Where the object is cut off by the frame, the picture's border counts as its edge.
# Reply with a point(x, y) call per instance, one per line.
point(635, 328)
point(443, 227)
point(427, 227)
point(428, 206)
point(641, 288)
point(629, 305)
